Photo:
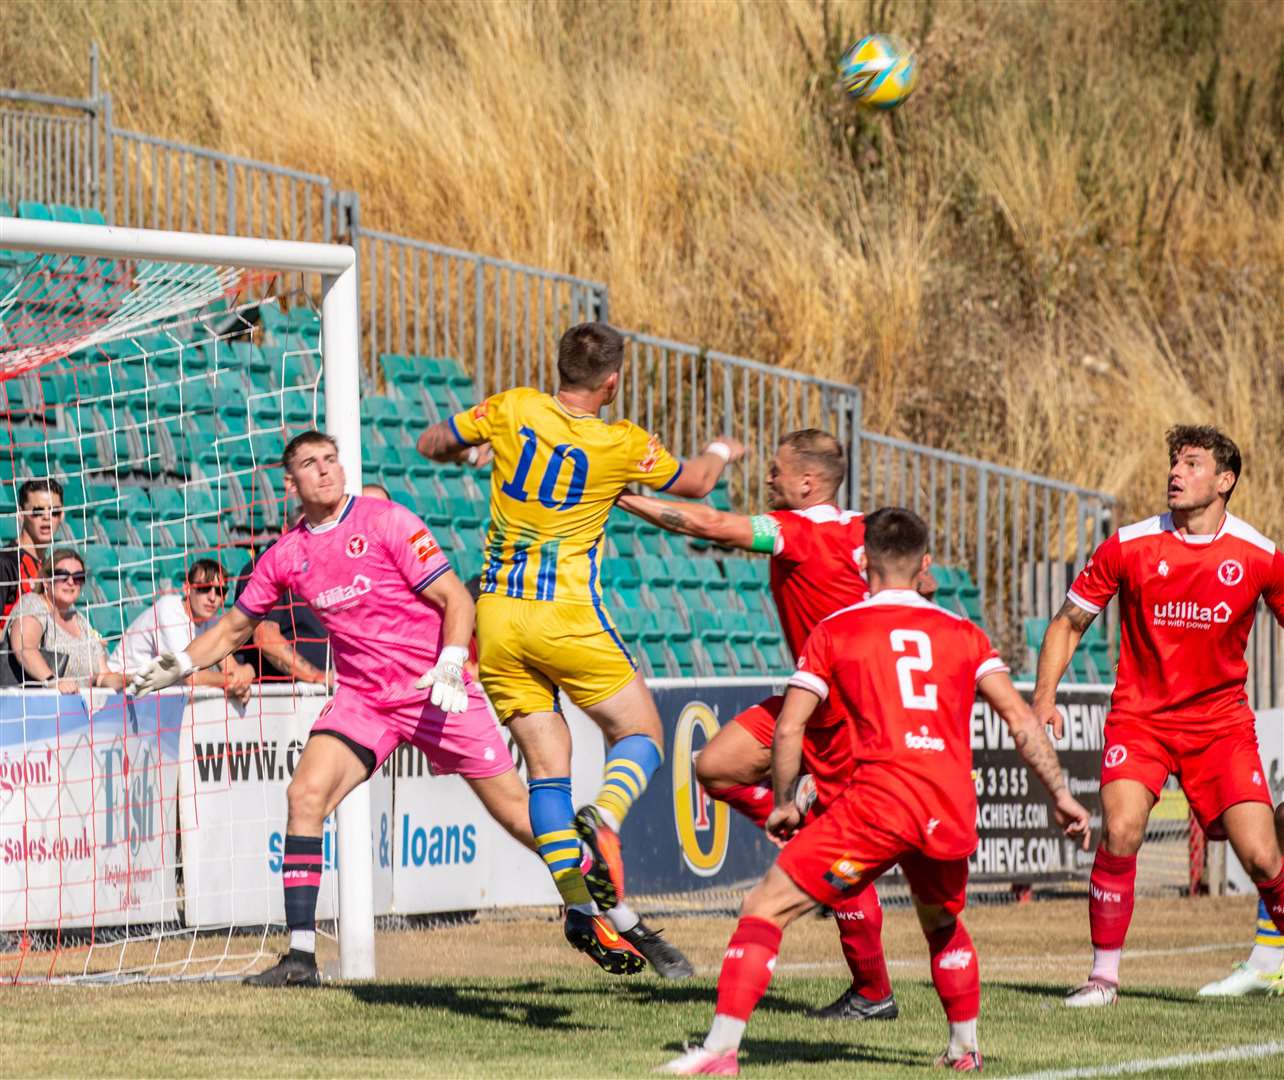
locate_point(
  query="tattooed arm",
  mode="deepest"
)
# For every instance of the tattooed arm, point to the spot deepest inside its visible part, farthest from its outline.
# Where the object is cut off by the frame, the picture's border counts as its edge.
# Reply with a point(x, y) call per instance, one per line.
point(693, 519)
point(1036, 751)
point(1059, 643)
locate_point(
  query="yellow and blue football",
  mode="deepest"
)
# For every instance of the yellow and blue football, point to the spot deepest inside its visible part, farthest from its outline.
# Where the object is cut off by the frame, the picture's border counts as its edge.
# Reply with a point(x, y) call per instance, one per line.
point(879, 71)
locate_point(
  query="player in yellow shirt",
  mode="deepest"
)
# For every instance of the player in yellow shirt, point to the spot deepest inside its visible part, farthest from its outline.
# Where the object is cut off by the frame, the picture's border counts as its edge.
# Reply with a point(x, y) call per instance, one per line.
point(541, 625)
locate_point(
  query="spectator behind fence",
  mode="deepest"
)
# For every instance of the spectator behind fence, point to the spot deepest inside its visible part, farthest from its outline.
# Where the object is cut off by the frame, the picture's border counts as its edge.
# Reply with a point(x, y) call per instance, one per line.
point(52, 643)
point(39, 515)
point(174, 620)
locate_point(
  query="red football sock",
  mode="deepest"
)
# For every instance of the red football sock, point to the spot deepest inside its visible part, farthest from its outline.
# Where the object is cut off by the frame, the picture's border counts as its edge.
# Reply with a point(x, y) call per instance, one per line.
point(747, 966)
point(860, 932)
point(955, 972)
point(755, 801)
point(1272, 893)
point(1110, 898)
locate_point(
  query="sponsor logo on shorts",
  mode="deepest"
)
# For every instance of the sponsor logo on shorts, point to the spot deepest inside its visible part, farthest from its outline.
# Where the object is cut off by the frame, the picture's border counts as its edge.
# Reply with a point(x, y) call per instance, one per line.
point(1231, 572)
point(1257, 778)
point(357, 546)
point(932, 823)
point(955, 959)
point(924, 740)
point(1116, 755)
point(844, 874)
point(1190, 614)
point(425, 547)
point(342, 595)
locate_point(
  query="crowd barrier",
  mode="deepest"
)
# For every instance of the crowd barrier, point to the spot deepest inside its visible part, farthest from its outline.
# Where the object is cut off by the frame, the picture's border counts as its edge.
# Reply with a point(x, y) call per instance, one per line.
point(172, 809)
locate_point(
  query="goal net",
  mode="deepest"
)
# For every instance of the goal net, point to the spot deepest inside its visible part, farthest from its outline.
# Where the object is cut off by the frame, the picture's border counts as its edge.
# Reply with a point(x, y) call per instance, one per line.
point(148, 384)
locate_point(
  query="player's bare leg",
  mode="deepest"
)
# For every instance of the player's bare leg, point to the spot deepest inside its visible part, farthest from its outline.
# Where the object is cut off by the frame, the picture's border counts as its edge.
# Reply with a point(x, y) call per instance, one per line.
point(1125, 809)
point(545, 743)
point(328, 770)
point(771, 905)
point(630, 723)
point(733, 767)
point(507, 800)
point(956, 976)
point(1263, 971)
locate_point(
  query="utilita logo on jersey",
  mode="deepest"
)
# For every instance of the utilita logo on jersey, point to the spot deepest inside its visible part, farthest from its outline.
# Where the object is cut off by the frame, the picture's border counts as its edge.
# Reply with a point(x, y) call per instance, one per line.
point(342, 595)
point(1190, 614)
point(924, 741)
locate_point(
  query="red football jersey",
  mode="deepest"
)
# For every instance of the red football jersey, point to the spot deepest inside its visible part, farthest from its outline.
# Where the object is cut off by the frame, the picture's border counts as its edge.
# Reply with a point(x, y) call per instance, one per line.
point(815, 568)
point(904, 672)
point(1186, 605)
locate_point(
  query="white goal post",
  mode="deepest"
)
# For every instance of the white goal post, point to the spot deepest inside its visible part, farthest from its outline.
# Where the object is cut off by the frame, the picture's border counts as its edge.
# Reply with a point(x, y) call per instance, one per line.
point(335, 265)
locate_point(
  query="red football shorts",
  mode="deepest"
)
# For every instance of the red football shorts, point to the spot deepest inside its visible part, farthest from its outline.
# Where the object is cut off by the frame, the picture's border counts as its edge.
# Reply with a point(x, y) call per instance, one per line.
point(827, 744)
point(1217, 767)
point(839, 853)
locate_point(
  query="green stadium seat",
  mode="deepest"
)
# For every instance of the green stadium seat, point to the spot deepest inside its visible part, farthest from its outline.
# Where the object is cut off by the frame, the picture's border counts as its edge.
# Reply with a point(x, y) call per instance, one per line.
point(714, 639)
point(771, 646)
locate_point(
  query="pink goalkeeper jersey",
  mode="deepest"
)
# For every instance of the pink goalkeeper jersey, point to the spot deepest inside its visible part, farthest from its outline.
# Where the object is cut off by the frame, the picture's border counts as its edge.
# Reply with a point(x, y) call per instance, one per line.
point(360, 573)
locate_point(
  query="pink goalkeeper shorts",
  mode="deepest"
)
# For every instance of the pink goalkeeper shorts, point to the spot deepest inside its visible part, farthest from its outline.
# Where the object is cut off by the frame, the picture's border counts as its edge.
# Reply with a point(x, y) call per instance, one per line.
point(468, 743)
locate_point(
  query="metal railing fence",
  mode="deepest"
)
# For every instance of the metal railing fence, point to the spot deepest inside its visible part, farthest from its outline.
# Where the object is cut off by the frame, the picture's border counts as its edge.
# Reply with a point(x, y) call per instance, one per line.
point(689, 395)
point(48, 156)
point(1022, 536)
point(499, 319)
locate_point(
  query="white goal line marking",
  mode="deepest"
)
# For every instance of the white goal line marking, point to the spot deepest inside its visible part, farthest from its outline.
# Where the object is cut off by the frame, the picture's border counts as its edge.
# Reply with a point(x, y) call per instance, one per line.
point(1246, 1052)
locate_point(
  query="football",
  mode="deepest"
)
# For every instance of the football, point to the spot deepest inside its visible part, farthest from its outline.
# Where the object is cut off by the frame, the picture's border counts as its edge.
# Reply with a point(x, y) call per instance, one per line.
point(879, 71)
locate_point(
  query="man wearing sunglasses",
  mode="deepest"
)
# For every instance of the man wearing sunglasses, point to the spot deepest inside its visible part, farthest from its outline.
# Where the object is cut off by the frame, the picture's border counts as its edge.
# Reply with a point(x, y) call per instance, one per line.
point(174, 620)
point(39, 515)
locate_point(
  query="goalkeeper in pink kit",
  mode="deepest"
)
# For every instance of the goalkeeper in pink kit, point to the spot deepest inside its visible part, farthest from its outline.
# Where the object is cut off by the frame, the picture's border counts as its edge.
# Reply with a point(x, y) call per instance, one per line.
point(399, 622)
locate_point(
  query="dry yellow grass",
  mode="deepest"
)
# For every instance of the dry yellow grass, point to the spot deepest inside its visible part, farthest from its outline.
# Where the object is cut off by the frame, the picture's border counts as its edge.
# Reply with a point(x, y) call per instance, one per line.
point(1059, 247)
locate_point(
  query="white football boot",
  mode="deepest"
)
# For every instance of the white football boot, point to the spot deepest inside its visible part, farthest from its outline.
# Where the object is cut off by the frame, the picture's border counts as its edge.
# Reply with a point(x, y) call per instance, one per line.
point(1244, 981)
point(1092, 995)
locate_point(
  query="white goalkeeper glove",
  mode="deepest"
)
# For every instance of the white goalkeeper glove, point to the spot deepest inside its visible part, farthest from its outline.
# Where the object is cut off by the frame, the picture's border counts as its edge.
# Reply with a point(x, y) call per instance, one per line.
point(165, 670)
point(449, 693)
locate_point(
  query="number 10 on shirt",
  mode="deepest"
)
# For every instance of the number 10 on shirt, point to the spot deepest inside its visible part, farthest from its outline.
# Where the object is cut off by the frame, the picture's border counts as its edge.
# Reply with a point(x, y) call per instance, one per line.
point(516, 488)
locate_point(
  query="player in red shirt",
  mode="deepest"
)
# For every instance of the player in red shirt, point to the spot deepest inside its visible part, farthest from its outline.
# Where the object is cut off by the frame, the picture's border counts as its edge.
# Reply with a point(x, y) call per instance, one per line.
point(1188, 583)
point(814, 548)
point(905, 674)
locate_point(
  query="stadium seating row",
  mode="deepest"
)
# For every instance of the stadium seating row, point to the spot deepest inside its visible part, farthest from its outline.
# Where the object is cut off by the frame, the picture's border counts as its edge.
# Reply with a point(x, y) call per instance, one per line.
point(168, 444)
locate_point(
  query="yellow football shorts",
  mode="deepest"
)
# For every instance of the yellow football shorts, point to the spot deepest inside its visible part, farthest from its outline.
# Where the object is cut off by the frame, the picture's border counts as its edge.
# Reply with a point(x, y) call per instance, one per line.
point(529, 649)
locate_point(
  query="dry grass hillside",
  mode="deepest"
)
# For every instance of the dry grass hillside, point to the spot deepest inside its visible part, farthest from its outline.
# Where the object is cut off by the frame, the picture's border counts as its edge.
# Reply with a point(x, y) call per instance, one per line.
point(1070, 238)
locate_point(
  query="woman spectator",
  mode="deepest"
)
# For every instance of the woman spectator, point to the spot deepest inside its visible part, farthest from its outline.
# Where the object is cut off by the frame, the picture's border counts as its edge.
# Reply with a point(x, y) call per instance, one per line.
point(53, 644)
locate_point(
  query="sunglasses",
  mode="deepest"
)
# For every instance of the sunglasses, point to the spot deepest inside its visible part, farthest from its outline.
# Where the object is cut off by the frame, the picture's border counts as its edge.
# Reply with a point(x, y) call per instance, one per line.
point(76, 577)
point(220, 589)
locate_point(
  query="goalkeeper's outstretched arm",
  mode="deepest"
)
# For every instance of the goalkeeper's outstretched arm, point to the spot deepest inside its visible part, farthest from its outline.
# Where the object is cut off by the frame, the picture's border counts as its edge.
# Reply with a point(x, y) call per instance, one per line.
point(221, 640)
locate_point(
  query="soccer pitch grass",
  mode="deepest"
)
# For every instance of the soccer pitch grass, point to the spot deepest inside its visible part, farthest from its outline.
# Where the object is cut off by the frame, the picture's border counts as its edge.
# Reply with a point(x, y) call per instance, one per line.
point(501, 997)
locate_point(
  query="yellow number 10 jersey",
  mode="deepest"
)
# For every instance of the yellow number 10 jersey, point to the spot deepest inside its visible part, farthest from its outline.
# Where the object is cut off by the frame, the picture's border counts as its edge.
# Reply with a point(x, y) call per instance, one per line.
point(555, 478)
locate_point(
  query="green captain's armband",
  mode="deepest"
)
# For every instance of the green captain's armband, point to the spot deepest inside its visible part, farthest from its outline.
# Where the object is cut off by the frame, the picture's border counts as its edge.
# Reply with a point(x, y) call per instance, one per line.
point(765, 531)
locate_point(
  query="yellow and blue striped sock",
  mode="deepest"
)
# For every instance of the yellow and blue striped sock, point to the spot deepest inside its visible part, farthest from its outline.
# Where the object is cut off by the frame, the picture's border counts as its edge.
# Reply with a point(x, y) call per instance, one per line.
point(553, 823)
point(630, 764)
point(1268, 945)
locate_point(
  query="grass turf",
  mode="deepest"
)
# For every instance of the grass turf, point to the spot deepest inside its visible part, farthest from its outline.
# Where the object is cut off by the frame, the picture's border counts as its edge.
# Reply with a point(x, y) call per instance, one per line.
point(580, 1024)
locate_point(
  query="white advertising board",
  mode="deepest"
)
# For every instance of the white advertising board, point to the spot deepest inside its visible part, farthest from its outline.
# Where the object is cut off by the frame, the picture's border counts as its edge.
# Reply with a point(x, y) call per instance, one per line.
point(87, 807)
